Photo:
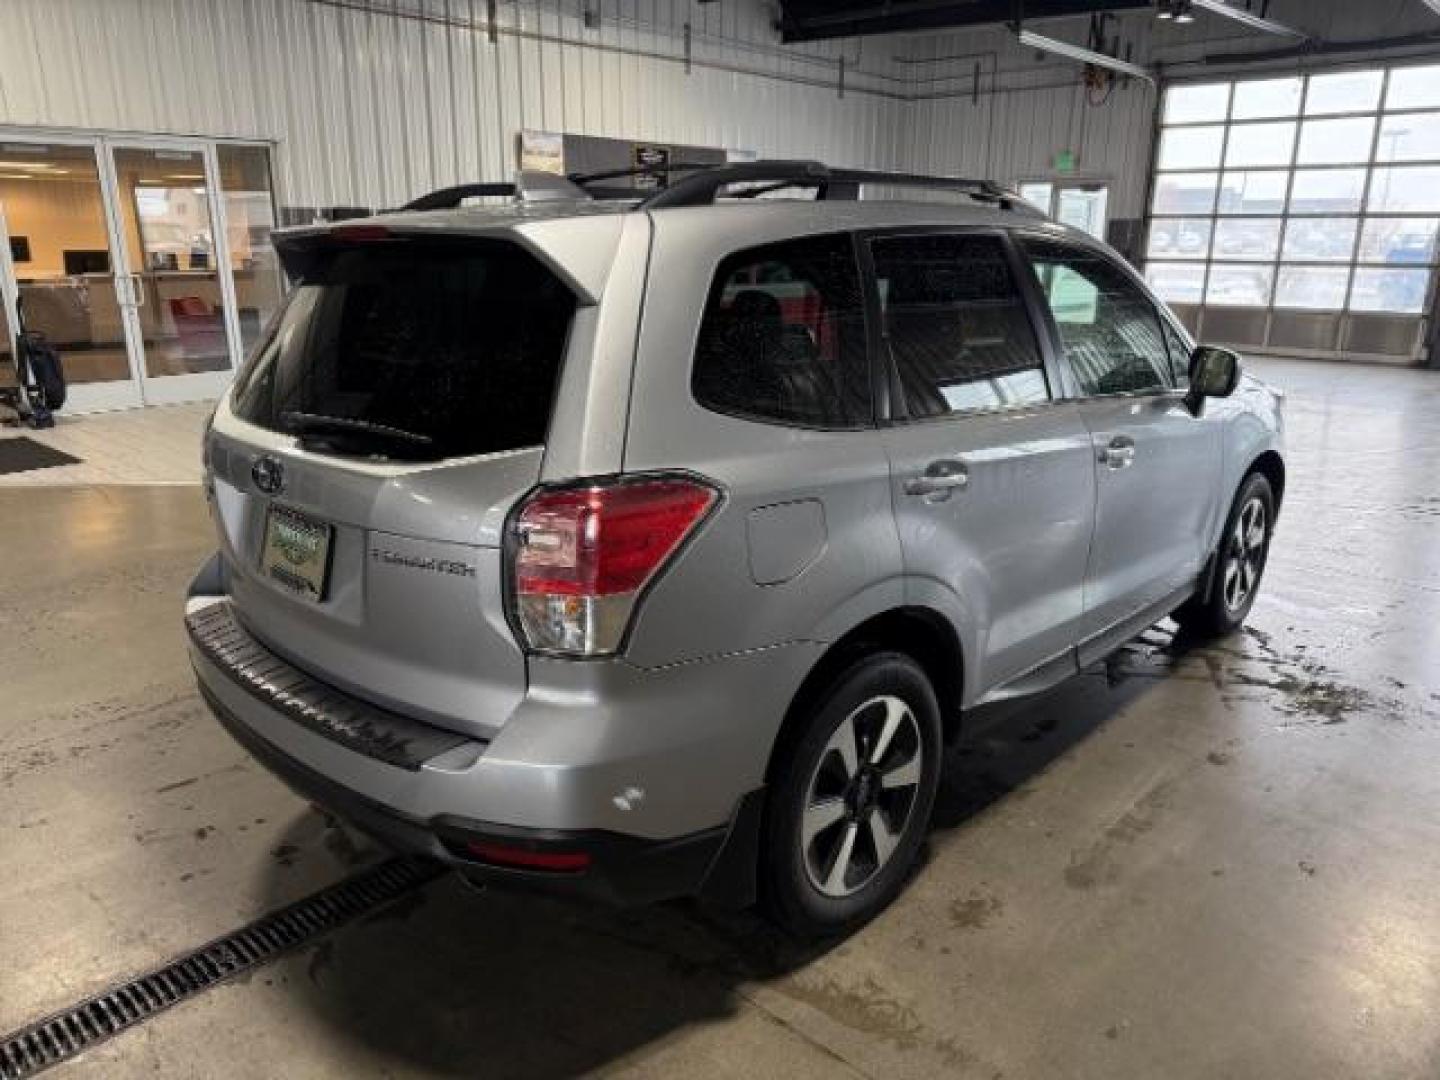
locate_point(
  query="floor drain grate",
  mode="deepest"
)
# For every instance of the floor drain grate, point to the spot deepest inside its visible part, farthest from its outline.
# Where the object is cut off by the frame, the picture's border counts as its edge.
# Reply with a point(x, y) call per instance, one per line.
point(80, 1027)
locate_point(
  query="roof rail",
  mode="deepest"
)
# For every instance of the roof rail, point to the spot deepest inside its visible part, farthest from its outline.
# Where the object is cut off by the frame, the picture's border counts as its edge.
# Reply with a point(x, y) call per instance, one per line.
point(702, 187)
point(702, 184)
point(451, 197)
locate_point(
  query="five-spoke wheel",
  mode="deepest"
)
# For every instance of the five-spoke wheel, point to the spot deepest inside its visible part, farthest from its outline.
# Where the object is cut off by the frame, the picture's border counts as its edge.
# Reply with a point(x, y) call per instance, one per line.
point(1245, 553)
point(861, 795)
point(1240, 561)
point(852, 795)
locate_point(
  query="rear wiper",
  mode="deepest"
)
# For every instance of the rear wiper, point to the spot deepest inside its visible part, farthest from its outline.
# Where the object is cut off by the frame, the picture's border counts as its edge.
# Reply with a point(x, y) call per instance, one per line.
point(303, 424)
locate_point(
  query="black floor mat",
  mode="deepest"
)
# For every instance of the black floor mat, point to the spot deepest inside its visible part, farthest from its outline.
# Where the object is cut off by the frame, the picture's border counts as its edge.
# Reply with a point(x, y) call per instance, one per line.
point(21, 454)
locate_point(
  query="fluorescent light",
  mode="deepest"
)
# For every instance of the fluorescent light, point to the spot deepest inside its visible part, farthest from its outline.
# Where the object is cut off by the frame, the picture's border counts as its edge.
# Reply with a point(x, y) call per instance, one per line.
point(185, 176)
point(1255, 22)
point(25, 165)
point(17, 176)
point(1084, 55)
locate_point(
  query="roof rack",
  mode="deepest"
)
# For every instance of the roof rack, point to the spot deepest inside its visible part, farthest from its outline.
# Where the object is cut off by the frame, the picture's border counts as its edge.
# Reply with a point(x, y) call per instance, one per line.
point(451, 197)
point(703, 187)
point(702, 184)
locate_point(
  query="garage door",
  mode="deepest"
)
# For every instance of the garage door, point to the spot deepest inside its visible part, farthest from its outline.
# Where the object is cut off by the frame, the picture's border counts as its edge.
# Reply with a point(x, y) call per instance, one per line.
point(1300, 213)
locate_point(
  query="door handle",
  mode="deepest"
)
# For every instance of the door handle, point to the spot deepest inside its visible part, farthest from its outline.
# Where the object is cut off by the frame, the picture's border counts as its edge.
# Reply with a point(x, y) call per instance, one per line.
point(1119, 453)
point(939, 479)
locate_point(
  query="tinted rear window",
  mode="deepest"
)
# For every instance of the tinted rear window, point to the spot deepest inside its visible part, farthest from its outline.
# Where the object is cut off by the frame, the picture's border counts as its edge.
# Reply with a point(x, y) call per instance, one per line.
point(783, 336)
point(457, 342)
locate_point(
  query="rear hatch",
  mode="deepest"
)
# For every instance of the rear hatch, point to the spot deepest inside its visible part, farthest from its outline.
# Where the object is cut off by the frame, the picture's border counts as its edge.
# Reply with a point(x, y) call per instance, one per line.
point(366, 459)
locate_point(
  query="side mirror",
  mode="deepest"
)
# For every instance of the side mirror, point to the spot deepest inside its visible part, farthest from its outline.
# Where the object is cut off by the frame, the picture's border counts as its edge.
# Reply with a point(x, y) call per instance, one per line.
point(1214, 372)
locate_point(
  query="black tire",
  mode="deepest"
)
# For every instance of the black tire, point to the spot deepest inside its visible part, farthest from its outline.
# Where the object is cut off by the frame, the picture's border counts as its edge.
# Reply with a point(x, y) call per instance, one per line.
point(886, 809)
point(1227, 606)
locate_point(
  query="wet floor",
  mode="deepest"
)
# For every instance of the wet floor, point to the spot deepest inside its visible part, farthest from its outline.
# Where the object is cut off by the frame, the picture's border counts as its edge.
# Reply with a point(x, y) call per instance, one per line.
point(1193, 861)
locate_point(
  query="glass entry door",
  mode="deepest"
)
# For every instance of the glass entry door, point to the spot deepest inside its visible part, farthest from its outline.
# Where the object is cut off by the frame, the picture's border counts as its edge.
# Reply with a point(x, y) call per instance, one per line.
point(1081, 203)
point(61, 275)
point(180, 305)
point(145, 262)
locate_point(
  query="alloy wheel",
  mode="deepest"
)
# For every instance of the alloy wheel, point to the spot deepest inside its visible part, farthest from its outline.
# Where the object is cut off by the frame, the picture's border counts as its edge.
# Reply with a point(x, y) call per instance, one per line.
point(861, 796)
point(1245, 555)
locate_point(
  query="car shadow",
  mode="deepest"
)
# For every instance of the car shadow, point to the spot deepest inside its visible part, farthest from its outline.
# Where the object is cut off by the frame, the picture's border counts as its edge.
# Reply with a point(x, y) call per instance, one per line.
point(455, 981)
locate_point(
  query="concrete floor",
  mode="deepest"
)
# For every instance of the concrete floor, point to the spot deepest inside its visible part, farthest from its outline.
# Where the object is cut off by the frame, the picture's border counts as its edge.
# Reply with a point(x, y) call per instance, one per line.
point(1214, 862)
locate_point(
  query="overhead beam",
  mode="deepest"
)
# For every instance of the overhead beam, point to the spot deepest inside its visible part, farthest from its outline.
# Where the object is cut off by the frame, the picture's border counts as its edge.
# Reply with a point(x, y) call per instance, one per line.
point(817, 20)
point(1256, 22)
point(1083, 55)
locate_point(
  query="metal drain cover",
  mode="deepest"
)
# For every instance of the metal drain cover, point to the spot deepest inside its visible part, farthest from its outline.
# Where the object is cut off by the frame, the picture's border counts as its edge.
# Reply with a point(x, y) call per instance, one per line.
point(76, 1029)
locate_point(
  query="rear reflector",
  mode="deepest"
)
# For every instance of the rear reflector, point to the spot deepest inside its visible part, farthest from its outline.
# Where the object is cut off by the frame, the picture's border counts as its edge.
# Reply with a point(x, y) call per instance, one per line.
point(526, 859)
point(583, 555)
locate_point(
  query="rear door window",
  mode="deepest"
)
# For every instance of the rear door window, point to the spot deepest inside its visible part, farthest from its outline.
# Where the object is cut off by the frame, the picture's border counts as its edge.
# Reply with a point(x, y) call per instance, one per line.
point(956, 324)
point(455, 345)
point(782, 339)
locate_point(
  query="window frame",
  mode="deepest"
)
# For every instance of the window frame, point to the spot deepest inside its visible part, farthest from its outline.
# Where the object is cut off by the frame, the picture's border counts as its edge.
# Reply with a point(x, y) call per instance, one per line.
point(874, 379)
point(1163, 316)
point(892, 408)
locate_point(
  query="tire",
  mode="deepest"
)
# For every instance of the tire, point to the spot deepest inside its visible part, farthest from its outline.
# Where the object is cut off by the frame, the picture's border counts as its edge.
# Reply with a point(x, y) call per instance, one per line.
point(1241, 555)
point(820, 808)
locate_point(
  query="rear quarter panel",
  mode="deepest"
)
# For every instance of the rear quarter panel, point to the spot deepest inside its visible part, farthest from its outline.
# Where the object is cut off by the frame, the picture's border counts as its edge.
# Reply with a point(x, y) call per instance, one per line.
point(709, 602)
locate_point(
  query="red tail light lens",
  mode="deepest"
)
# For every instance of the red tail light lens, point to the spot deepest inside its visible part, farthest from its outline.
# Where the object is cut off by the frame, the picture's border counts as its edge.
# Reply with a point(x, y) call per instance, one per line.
point(583, 555)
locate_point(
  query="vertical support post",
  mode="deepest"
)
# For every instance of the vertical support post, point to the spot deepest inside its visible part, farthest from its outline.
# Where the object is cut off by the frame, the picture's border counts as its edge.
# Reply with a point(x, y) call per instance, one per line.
point(492, 31)
point(688, 47)
point(840, 86)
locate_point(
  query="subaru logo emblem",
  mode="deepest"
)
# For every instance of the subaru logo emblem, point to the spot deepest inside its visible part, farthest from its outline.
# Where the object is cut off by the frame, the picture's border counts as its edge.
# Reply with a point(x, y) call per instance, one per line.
point(268, 474)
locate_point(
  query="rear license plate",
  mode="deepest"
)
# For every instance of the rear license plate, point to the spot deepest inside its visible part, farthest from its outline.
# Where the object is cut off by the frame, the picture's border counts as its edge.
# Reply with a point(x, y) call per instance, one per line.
point(296, 553)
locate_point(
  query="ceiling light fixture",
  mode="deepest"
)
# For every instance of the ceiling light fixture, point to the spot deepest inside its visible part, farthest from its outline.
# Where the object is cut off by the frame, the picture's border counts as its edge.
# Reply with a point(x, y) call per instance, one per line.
point(1255, 22)
point(1083, 55)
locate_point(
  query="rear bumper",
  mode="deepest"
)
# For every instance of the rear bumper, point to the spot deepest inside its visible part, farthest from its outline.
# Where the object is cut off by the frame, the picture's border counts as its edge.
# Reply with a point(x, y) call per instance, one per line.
point(621, 870)
point(654, 777)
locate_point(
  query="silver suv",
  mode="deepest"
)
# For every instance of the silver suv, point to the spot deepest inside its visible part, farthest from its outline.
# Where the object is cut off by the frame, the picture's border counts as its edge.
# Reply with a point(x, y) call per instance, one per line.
point(655, 547)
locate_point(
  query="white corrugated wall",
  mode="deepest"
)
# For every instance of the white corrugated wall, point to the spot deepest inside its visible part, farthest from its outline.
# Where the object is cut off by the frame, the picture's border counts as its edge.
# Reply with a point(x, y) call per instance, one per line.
point(373, 101)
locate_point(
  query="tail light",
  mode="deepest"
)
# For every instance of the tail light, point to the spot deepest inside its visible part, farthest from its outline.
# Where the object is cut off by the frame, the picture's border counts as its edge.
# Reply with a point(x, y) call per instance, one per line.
point(582, 556)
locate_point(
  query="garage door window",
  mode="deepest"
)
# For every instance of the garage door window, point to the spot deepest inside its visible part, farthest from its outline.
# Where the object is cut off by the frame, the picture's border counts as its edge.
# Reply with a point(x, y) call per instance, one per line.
point(1279, 200)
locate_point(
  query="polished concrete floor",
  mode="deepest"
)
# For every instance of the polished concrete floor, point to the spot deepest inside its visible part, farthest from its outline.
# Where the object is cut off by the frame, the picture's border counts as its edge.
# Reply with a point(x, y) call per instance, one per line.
point(1190, 862)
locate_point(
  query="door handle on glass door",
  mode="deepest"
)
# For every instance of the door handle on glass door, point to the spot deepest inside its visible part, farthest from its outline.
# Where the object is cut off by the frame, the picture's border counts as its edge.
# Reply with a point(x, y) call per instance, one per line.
point(1119, 453)
point(939, 479)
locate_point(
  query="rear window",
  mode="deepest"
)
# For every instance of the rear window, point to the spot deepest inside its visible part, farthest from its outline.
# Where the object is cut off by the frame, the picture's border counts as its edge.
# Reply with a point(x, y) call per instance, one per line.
point(783, 336)
point(454, 345)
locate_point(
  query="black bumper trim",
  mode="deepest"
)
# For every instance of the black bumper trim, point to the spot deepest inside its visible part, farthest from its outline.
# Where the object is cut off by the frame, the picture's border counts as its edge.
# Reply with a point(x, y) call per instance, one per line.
point(355, 724)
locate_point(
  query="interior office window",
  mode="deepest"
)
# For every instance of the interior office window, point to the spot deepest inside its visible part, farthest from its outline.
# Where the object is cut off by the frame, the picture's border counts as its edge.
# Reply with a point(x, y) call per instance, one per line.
point(783, 336)
point(956, 325)
point(1109, 329)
